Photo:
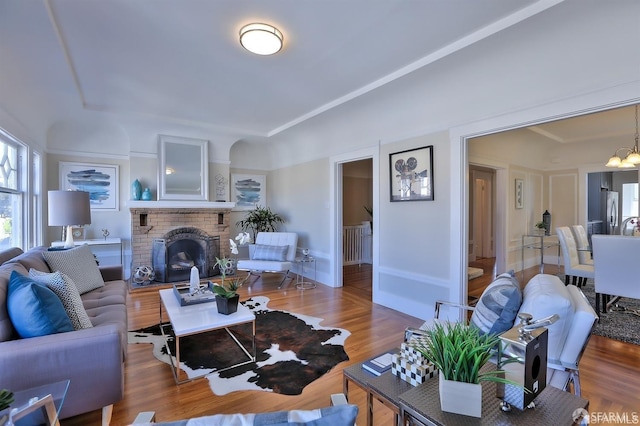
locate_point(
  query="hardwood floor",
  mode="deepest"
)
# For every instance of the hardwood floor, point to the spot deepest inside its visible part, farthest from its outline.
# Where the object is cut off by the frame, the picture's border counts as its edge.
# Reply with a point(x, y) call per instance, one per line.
point(610, 369)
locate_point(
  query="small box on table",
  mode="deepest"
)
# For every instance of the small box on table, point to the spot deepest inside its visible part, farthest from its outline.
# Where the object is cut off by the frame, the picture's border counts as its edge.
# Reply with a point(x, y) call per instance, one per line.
point(412, 372)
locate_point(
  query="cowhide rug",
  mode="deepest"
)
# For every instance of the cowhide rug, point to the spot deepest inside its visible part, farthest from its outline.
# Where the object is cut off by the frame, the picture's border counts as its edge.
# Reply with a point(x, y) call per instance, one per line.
point(292, 350)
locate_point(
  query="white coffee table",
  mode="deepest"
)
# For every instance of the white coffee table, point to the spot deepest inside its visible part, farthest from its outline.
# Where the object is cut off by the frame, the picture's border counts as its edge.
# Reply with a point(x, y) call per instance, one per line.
point(200, 318)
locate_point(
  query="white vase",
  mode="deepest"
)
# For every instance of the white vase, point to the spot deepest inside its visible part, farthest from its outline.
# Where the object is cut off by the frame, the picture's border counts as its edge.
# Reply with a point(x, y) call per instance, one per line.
point(459, 397)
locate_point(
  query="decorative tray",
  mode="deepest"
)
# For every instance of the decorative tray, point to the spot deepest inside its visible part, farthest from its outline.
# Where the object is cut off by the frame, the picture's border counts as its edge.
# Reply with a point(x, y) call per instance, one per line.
point(205, 294)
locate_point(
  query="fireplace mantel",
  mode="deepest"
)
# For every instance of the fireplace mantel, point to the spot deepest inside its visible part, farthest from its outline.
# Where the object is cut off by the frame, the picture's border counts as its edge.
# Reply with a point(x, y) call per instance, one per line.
point(164, 204)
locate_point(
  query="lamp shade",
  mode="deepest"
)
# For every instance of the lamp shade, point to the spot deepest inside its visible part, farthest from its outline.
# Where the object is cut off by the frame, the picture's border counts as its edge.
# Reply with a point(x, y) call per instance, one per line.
point(69, 208)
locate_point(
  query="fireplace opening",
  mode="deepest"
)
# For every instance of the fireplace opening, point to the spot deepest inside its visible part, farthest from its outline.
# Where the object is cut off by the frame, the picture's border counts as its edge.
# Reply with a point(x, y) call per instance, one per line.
point(181, 249)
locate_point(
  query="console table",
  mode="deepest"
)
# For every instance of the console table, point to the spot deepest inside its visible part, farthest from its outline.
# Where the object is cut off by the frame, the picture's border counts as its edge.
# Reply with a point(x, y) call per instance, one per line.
point(108, 251)
point(539, 242)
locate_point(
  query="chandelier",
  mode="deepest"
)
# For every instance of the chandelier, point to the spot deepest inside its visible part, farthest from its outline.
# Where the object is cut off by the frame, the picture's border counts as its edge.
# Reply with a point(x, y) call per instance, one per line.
point(632, 157)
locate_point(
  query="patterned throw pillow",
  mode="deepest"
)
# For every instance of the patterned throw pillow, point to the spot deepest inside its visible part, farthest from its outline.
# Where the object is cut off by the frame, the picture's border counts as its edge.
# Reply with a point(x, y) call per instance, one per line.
point(67, 291)
point(498, 306)
point(274, 253)
point(78, 264)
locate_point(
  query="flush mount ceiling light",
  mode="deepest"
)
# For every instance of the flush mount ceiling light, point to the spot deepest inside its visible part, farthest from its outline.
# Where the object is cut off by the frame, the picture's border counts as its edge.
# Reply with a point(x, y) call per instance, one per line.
point(261, 39)
point(632, 154)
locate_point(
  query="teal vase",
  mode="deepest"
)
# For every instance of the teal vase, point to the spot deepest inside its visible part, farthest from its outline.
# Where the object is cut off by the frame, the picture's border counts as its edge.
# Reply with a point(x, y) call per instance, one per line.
point(136, 190)
point(146, 195)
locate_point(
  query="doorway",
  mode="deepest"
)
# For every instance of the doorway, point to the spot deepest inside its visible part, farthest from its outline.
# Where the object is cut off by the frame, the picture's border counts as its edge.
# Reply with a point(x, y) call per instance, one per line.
point(482, 230)
point(357, 220)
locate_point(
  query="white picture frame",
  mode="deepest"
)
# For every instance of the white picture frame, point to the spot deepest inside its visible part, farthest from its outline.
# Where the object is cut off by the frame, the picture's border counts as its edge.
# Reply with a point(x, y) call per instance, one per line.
point(248, 191)
point(99, 180)
point(519, 194)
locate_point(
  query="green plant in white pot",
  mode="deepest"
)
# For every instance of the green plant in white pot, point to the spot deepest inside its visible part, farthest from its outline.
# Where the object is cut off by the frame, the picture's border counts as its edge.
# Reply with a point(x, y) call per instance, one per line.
point(459, 351)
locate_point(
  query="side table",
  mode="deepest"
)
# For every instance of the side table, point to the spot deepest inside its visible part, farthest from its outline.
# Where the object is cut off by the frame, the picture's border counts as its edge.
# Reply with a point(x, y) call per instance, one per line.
point(540, 242)
point(301, 284)
point(37, 405)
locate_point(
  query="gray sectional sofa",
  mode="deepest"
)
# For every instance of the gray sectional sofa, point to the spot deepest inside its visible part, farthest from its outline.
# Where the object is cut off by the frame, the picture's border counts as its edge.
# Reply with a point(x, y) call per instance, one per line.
point(91, 358)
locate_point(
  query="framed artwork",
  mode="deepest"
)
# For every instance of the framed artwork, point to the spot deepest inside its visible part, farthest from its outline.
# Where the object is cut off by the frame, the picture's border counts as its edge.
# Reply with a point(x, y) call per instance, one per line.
point(248, 191)
point(411, 174)
point(519, 195)
point(99, 180)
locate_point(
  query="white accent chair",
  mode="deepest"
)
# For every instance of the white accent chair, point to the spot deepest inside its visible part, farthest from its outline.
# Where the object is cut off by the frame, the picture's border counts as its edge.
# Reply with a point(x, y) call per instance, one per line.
point(572, 266)
point(616, 268)
point(543, 296)
point(269, 254)
point(582, 242)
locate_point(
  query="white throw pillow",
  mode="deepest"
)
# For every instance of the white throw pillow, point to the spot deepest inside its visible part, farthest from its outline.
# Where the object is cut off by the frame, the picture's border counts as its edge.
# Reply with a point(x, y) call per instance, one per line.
point(77, 263)
point(67, 292)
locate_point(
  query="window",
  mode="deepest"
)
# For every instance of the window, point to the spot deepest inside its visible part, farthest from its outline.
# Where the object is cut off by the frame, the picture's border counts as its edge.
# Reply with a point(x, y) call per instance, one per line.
point(20, 212)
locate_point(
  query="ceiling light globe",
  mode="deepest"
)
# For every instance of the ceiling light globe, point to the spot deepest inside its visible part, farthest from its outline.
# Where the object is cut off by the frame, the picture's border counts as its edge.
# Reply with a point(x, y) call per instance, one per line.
point(261, 39)
point(614, 161)
point(626, 164)
point(634, 157)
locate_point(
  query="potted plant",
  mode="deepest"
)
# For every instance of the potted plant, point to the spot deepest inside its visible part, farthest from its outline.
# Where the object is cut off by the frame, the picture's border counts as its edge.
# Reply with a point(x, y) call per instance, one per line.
point(540, 228)
point(459, 351)
point(6, 398)
point(260, 219)
point(227, 291)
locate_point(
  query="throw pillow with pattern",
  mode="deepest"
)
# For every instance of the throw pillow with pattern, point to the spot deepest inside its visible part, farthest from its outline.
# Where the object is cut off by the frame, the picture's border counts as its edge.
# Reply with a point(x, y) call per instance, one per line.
point(66, 290)
point(79, 264)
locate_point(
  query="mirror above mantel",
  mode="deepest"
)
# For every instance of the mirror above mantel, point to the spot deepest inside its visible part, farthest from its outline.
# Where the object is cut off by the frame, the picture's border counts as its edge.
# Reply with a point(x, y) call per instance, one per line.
point(183, 168)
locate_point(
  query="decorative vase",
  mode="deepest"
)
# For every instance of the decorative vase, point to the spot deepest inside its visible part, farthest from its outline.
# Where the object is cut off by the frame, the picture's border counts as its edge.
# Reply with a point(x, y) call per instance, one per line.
point(146, 195)
point(546, 219)
point(459, 397)
point(136, 190)
point(227, 305)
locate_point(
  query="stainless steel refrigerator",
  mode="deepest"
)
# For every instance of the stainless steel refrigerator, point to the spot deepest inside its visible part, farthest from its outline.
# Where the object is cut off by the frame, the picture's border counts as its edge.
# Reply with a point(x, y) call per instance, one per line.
point(610, 209)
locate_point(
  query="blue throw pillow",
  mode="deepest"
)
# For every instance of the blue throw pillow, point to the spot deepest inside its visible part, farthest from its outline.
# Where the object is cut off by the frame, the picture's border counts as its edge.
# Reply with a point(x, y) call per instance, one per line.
point(34, 309)
point(498, 306)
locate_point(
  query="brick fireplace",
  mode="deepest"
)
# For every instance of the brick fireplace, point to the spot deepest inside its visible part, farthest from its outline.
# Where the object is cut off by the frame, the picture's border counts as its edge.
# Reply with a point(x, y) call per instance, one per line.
point(149, 223)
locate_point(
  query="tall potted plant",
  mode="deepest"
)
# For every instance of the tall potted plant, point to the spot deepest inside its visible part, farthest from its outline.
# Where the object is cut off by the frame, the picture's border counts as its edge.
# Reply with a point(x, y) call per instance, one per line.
point(459, 351)
point(260, 219)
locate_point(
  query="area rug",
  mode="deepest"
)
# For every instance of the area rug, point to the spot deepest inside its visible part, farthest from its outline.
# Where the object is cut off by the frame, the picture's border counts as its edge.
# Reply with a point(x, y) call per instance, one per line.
point(619, 323)
point(292, 350)
point(474, 272)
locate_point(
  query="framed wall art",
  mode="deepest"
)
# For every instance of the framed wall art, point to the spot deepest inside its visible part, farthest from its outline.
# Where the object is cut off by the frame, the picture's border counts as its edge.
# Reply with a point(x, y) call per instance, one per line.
point(248, 191)
point(411, 174)
point(519, 195)
point(99, 180)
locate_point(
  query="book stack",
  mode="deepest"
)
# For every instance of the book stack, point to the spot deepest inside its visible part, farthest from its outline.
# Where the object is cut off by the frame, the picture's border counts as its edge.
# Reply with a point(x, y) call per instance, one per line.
point(380, 363)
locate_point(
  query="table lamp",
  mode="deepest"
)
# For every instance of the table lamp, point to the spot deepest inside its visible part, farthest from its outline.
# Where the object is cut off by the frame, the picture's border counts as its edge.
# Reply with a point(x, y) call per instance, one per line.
point(69, 208)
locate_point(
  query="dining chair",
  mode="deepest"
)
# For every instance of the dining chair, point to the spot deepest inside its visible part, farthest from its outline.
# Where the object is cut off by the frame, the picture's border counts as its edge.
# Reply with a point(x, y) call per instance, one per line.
point(572, 266)
point(583, 246)
point(616, 268)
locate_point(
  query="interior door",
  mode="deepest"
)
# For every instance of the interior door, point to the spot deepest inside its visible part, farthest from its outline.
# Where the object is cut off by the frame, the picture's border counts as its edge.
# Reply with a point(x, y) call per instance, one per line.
point(482, 213)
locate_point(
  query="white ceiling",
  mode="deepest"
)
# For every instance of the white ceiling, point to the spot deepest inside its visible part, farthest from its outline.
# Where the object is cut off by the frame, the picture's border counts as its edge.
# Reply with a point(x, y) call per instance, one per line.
point(181, 62)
